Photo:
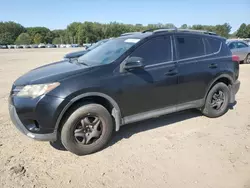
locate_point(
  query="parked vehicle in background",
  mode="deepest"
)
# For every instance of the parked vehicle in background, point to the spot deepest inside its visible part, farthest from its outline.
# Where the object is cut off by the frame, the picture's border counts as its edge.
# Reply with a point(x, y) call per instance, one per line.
point(75, 55)
point(62, 45)
point(241, 49)
point(42, 45)
point(34, 46)
point(18, 46)
point(50, 46)
point(3, 47)
point(11, 46)
point(125, 80)
point(26, 46)
point(247, 41)
point(87, 45)
point(75, 45)
point(68, 45)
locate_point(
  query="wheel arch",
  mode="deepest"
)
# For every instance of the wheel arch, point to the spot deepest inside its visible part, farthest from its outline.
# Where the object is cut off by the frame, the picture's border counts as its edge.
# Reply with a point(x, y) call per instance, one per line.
point(93, 97)
point(224, 78)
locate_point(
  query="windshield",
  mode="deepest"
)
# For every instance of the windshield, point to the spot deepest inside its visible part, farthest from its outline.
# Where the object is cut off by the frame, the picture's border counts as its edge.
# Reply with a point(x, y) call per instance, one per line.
point(107, 52)
point(97, 44)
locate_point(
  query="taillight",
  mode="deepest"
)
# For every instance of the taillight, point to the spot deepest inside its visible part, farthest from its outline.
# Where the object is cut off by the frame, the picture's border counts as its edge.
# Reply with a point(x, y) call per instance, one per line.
point(235, 58)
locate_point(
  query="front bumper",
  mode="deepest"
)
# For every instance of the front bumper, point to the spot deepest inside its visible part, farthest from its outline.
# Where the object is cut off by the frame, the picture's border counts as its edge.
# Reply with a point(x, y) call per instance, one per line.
point(234, 89)
point(16, 121)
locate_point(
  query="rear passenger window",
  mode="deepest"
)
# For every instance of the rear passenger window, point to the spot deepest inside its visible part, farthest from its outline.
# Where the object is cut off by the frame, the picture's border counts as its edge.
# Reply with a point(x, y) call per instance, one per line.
point(189, 46)
point(156, 50)
point(212, 45)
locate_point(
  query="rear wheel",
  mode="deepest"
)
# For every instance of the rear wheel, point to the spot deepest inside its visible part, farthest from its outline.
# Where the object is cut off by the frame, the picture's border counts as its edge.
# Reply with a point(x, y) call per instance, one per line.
point(87, 130)
point(247, 60)
point(217, 101)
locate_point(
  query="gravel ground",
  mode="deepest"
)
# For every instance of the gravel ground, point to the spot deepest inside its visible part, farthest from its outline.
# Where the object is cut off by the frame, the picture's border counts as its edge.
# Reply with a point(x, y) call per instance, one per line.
point(179, 150)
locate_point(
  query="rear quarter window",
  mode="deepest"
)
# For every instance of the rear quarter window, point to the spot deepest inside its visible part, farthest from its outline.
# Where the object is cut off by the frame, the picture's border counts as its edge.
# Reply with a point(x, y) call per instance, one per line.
point(212, 45)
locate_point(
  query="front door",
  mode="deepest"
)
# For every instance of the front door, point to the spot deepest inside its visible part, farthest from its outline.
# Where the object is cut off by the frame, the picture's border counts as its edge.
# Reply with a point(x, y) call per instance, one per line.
point(154, 86)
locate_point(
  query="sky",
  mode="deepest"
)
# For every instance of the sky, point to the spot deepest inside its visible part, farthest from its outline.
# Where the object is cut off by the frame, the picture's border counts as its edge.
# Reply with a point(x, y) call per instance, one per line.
point(57, 14)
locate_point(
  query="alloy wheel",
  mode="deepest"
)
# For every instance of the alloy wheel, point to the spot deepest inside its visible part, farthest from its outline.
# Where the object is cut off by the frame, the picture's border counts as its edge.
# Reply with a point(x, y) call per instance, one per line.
point(218, 100)
point(88, 130)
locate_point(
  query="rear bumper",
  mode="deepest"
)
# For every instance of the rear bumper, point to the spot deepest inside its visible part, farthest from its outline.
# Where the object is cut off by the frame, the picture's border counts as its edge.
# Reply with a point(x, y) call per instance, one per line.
point(16, 121)
point(234, 89)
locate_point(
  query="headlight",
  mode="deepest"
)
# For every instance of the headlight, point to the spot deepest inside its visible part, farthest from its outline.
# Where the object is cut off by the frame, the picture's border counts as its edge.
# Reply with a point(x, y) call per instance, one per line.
point(34, 91)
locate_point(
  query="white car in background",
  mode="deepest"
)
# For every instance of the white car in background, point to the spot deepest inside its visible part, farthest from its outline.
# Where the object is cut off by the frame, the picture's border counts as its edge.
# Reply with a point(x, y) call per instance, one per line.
point(241, 49)
point(41, 45)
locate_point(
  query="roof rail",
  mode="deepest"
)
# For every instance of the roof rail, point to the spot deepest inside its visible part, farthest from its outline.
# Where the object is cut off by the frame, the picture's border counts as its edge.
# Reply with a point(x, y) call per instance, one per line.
point(198, 31)
point(130, 33)
point(159, 29)
point(156, 30)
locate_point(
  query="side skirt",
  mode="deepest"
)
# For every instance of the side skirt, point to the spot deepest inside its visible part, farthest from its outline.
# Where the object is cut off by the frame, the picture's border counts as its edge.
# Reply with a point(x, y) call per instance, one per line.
point(162, 111)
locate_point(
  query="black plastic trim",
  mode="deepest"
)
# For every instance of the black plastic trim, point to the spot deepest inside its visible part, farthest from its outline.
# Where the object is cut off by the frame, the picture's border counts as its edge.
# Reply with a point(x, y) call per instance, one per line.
point(16, 121)
point(116, 113)
point(163, 111)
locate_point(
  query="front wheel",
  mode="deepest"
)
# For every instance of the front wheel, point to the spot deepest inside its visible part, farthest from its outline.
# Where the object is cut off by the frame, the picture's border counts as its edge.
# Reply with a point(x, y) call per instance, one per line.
point(217, 101)
point(87, 130)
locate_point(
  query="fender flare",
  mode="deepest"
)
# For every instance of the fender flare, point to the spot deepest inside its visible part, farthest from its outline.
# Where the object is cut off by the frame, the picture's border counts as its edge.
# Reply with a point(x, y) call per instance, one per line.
point(216, 79)
point(116, 113)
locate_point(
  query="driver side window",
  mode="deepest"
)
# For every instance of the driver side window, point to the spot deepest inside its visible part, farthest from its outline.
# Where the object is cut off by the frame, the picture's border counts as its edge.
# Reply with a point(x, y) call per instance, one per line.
point(156, 50)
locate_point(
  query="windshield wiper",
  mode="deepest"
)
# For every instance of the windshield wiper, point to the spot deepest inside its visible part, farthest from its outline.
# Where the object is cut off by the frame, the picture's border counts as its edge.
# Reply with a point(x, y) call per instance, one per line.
point(75, 60)
point(81, 62)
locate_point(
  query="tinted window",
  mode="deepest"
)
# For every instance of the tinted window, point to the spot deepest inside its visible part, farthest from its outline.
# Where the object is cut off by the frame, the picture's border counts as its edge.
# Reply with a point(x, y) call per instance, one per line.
point(157, 50)
point(232, 45)
point(241, 45)
point(212, 45)
point(189, 46)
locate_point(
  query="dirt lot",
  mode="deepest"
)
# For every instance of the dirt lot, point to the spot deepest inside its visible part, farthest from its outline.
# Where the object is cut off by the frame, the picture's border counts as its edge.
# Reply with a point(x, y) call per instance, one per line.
point(175, 151)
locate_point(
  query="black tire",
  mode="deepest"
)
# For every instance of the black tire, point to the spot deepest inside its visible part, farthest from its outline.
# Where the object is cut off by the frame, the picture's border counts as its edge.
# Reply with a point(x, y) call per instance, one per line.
point(68, 138)
point(247, 60)
point(210, 111)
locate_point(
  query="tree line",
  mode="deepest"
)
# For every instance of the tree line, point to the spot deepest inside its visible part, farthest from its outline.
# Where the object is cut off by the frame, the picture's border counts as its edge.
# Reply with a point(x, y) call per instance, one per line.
point(89, 32)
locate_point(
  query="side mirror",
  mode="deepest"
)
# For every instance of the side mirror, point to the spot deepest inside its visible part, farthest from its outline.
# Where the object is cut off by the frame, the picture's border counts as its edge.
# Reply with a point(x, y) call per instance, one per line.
point(133, 63)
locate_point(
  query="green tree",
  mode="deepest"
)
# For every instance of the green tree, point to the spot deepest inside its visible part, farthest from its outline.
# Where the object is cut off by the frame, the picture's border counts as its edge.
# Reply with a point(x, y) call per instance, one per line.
point(9, 31)
point(6, 38)
point(242, 31)
point(60, 33)
point(38, 38)
point(49, 37)
point(184, 26)
point(248, 31)
point(57, 40)
point(23, 38)
point(72, 31)
point(223, 30)
point(42, 31)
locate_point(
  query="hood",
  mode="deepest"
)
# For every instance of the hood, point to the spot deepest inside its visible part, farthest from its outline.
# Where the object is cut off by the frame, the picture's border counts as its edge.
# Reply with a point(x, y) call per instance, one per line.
point(75, 54)
point(50, 73)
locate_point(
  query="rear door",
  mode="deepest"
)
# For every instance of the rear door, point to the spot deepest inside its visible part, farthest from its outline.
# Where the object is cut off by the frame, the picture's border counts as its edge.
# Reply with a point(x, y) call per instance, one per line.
point(154, 86)
point(197, 67)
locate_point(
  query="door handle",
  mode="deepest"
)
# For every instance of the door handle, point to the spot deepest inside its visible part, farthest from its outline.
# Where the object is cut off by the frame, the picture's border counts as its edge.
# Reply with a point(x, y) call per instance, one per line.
point(171, 72)
point(213, 66)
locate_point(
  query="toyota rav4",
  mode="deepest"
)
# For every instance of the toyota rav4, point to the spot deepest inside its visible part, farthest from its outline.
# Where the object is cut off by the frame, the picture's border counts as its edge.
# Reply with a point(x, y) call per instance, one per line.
point(134, 77)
